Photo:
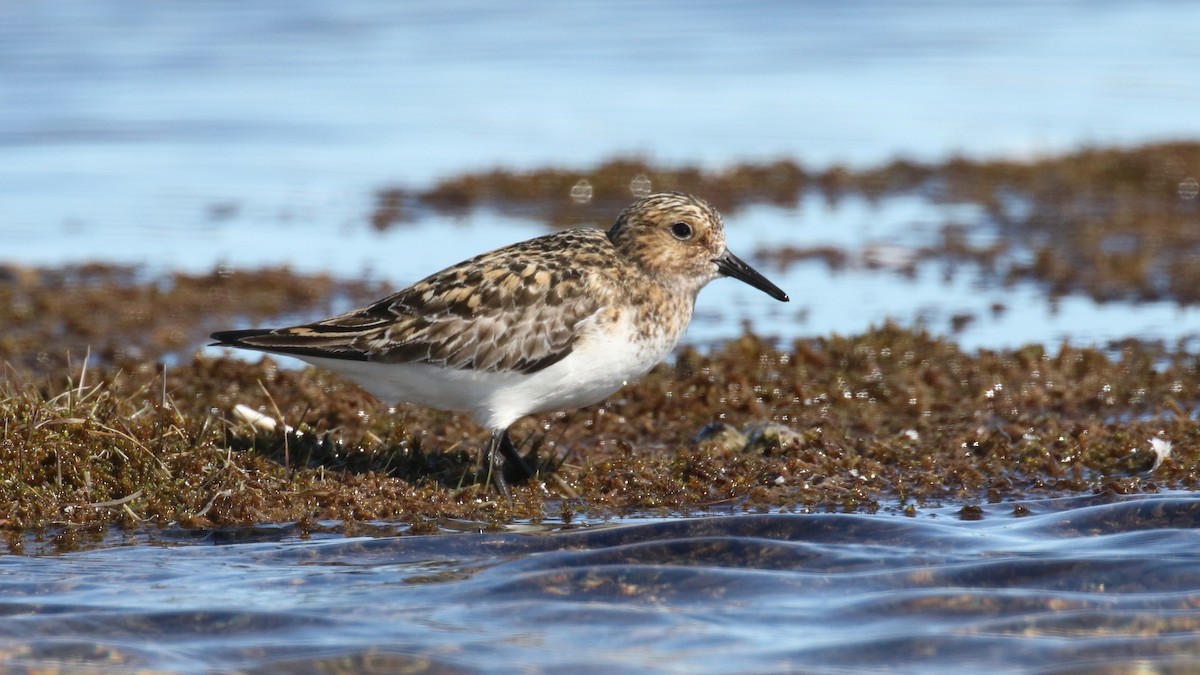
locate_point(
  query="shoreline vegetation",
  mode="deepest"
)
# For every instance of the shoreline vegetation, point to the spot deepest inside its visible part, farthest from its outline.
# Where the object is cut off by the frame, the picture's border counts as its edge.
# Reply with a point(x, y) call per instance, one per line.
point(1111, 223)
point(113, 418)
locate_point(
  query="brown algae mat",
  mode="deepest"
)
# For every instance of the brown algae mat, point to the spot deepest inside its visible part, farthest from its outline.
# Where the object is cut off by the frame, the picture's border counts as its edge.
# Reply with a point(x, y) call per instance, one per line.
point(889, 419)
point(1112, 223)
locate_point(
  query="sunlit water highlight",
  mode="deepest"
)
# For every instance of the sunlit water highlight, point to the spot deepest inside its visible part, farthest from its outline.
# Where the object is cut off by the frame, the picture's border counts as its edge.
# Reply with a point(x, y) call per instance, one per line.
point(1075, 584)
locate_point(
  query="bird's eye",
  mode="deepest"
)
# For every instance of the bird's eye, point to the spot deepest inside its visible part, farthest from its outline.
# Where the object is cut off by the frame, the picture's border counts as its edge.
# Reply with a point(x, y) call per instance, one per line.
point(682, 231)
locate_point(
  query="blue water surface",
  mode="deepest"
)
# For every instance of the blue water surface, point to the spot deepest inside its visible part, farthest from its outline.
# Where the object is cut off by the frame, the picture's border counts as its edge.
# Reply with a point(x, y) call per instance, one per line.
point(1076, 585)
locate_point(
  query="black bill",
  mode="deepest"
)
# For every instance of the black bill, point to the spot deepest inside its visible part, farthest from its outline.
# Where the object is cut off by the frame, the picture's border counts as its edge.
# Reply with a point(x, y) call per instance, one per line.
point(732, 266)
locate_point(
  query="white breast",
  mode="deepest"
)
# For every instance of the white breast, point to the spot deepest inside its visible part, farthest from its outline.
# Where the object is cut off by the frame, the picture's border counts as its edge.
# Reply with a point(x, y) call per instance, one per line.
point(600, 364)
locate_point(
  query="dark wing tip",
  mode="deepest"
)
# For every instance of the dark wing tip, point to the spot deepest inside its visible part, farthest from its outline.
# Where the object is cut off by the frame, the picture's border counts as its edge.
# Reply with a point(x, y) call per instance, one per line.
point(285, 341)
point(231, 338)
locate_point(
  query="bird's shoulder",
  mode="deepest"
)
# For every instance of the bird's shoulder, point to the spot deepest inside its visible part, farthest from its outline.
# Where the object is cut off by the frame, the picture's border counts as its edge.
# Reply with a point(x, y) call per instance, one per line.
point(518, 308)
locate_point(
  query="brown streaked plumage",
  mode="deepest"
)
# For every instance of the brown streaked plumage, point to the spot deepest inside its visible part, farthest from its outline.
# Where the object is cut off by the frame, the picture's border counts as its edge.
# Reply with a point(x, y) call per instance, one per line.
point(558, 321)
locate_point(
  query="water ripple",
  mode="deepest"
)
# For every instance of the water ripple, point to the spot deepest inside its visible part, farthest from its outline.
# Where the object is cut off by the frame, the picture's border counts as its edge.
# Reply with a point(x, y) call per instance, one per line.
point(1081, 585)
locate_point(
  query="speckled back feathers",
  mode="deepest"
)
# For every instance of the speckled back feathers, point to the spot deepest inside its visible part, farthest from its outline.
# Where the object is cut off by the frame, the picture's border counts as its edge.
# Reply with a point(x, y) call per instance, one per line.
point(523, 307)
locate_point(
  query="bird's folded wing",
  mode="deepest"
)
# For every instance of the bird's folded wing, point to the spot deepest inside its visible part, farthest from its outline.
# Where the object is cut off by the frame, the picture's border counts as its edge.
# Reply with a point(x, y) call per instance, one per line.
point(499, 312)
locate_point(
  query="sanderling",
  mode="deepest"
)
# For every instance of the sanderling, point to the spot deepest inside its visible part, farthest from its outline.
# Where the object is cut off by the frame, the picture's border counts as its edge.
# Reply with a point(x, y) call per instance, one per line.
point(556, 322)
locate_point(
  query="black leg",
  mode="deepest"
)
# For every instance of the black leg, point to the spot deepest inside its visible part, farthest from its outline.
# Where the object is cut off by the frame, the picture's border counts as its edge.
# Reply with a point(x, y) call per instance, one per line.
point(494, 468)
point(513, 468)
point(516, 468)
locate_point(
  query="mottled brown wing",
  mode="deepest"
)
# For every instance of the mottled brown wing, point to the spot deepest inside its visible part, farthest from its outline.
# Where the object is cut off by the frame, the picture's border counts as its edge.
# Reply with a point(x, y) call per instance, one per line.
point(514, 309)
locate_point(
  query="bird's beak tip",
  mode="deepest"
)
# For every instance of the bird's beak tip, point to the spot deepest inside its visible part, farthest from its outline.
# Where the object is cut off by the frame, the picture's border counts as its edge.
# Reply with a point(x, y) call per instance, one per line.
point(732, 266)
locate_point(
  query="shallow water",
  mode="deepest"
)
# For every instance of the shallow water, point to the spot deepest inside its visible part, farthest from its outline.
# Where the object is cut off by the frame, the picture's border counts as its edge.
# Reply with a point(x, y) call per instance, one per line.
point(1075, 585)
point(881, 237)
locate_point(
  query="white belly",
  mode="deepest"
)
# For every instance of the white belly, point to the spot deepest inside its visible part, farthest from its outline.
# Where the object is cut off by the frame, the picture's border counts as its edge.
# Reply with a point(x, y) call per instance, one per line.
point(600, 364)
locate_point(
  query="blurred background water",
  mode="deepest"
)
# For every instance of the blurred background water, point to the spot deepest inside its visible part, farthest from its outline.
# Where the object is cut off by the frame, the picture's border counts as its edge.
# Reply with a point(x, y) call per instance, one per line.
point(186, 136)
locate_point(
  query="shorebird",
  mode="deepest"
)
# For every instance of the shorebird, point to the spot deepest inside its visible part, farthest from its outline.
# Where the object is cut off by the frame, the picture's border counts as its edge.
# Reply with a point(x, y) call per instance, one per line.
point(556, 322)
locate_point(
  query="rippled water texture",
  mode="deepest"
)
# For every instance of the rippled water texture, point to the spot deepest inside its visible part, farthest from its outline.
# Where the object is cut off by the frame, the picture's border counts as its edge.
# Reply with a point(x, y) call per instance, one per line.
point(1075, 584)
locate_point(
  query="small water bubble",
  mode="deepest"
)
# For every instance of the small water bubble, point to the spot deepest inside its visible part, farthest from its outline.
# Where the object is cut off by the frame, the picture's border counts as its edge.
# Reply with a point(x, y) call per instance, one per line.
point(640, 185)
point(581, 192)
